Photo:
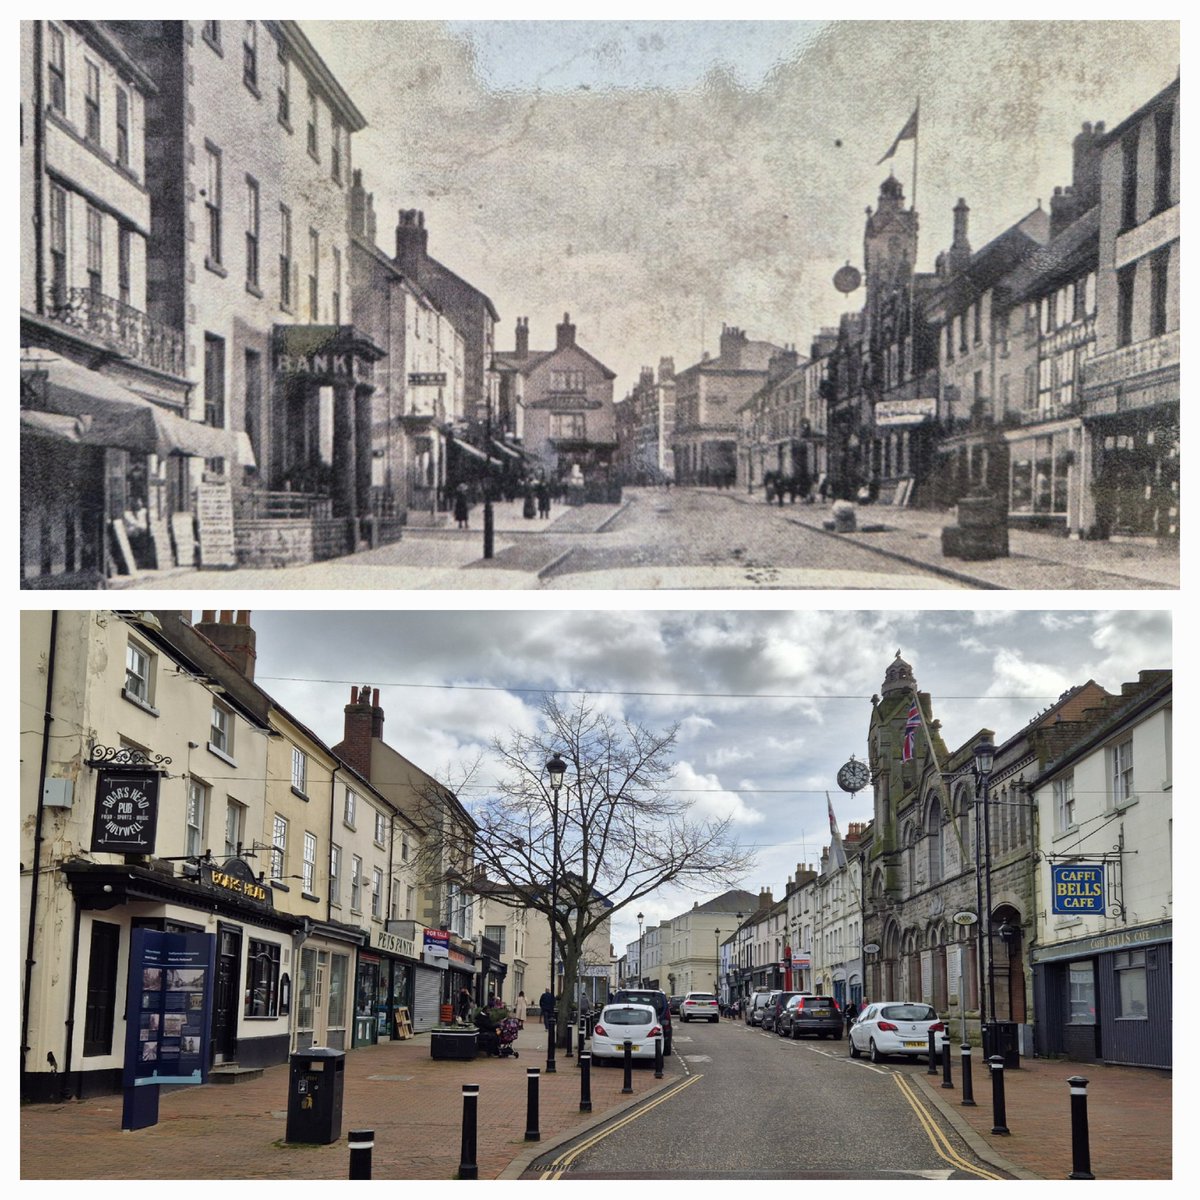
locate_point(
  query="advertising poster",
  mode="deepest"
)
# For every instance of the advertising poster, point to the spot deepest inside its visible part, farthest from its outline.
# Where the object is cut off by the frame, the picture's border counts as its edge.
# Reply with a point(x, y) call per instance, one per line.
point(170, 1006)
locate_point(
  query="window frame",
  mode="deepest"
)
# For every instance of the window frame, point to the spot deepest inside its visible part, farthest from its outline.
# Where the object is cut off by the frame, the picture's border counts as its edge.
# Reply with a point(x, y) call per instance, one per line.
point(212, 204)
point(263, 967)
point(91, 102)
point(57, 90)
point(122, 118)
point(313, 115)
point(279, 839)
point(377, 893)
point(380, 828)
point(286, 258)
point(214, 380)
point(250, 56)
point(236, 809)
point(253, 232)
point(356, 882)
point(195, 816)
point(350, 808)
point(1063, 791)
point(308, 868)
point(299, 772)
point(335, 874)
point(1121, 782)
point(222, 744)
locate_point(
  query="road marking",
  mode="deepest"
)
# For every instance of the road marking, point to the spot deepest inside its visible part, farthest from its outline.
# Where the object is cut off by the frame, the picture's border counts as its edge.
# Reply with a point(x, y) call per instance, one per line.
point(697, 1057)
point(941, 1146)
point(560, 1164)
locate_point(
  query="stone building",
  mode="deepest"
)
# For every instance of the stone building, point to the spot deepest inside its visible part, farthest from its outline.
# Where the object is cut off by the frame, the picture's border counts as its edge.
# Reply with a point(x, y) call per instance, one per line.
point(693, 938)
point(926, 858)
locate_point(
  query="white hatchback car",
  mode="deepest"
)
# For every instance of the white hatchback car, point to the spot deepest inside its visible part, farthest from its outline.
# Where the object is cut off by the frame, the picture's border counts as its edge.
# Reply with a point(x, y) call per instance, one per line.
point(618, 1023)
point(896, 1027)
point(699, 1006)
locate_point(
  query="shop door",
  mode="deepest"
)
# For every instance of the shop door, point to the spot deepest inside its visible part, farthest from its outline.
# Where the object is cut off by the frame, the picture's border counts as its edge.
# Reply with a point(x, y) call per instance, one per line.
point(225, 994)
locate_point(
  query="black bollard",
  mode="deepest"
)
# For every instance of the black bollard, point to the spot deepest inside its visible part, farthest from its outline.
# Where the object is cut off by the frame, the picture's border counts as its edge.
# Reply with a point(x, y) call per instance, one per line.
point(658, 1058)
point(968, 1100)
point(1081, 1155)
point(585, 1082)
point(568, 1033)
point(627, 1090)
point(468, 1168)
point(532, 1133)
point(996, 1062)
point(552, 1033)
point(933, 1054)
point(947, 1082)
point(362, 1142)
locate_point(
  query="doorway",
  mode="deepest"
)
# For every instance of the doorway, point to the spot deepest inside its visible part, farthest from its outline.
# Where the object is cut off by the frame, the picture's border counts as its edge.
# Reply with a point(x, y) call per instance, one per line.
point(226, 993)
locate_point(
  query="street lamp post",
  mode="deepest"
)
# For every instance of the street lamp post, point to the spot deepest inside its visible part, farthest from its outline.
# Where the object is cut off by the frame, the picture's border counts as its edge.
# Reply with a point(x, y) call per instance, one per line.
point(737, 956)
point(641, 972)
point(717, 969)
point(984, 756)
point(488, 519)
point(556, 769)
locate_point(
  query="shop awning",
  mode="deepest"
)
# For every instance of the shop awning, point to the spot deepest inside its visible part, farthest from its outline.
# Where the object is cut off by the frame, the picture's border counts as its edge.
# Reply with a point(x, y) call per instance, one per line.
point(467, 448)
point(507, 450)
point(107, 414)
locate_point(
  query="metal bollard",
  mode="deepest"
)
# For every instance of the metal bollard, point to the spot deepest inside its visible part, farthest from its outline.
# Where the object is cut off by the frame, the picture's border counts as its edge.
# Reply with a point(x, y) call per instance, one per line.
point(468, 1168)
point(947, 1082)
point(362, 1142)
point(585, 1082)
point(658, 1058)
point(567, 1031)
point(968, 1099)
point(580, 1032)
point(627, 1090)
point(1081, 1155)
point(553, 1033)
point(532, 1133)
point(996, 1062)
point(933, 1054)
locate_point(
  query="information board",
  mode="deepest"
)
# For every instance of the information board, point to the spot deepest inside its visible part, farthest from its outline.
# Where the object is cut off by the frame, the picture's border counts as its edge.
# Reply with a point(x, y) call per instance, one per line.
point(214, 519)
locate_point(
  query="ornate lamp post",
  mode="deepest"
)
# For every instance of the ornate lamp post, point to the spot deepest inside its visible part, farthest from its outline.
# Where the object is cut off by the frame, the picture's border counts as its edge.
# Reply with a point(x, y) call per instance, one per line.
point(641, 973)
point(717, 970)
point(984, 756)
point(555, 769)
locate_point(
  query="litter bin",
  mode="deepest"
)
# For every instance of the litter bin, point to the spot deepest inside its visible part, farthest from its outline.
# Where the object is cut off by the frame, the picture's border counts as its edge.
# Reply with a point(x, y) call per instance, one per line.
point(315, 1086)
point(1000, 1037)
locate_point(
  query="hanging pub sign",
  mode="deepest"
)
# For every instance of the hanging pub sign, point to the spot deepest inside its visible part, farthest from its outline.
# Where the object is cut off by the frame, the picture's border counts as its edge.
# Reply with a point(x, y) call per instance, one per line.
point(126, 815)
point(234, 878)
point(1077, 888)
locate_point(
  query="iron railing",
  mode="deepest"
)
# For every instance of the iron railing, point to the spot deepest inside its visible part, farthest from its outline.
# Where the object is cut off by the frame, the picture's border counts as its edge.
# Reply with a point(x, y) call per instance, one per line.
point(124, 328)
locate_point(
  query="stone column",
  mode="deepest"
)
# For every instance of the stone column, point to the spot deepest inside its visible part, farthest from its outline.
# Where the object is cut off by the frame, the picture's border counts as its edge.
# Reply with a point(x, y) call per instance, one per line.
point(344, 452)
point(363, 460)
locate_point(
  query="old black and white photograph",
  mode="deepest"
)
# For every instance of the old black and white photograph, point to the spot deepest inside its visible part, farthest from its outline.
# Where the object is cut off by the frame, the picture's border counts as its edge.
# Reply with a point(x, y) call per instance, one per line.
point(600, 304)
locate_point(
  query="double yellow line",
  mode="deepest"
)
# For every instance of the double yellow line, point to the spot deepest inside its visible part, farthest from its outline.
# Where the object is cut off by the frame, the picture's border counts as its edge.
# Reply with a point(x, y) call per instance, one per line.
point(941, 1146)
point(563, 1161)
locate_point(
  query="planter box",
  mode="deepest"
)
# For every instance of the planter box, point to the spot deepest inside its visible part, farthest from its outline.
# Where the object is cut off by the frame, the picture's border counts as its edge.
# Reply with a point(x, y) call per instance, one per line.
point(453, 1043)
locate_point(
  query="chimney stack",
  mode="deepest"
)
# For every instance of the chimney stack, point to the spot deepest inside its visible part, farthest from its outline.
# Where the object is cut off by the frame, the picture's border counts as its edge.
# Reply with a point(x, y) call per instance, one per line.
point(232, 634)
point(412, 241)
point(566, 333)
point(363, 722)
point(522, 350)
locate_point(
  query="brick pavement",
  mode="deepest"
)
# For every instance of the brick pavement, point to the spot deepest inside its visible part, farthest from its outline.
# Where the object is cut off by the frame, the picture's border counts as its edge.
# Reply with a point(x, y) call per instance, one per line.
point(413, 1103)
point(1129, 1118)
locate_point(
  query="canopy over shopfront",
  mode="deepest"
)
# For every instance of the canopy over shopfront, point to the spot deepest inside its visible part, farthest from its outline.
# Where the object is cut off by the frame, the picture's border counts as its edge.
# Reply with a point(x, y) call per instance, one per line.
point(74, 404)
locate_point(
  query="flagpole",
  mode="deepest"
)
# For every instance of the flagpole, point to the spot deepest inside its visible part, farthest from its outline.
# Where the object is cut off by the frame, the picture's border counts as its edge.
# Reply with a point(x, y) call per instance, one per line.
point(912, 279)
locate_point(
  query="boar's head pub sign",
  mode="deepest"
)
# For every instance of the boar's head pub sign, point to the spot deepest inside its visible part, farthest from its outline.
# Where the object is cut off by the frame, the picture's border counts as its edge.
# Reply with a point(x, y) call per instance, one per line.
point(126, 815)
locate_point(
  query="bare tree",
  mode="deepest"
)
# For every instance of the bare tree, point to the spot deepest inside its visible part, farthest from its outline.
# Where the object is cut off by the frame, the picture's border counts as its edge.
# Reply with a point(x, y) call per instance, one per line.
point(613, 834)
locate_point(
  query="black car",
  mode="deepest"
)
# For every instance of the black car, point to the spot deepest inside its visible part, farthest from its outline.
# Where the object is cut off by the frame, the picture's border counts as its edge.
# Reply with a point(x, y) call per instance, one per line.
point(775, 1005)
point(659, 1001)
point(811, 1015)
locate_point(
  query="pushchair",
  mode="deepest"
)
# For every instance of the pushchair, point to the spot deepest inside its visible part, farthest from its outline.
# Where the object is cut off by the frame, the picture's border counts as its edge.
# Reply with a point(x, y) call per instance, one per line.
point(506, 1034)
point(496, 1038)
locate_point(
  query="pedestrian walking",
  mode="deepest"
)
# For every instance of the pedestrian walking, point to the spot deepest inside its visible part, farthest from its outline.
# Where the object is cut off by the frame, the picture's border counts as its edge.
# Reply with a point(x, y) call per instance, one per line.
point(543, 499)
point(464, 1004)
point(520, 1008)
point(462, 507)
point(546, 1004)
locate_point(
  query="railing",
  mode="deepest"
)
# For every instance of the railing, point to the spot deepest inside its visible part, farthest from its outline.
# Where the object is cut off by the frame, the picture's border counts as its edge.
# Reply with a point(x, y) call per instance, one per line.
point(126, 329)
point(282, 506)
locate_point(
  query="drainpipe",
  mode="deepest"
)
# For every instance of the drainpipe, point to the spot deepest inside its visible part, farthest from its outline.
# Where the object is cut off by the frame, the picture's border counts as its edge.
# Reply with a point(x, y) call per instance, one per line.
point(39, 176)
point(47, 719)
point(65, 1075)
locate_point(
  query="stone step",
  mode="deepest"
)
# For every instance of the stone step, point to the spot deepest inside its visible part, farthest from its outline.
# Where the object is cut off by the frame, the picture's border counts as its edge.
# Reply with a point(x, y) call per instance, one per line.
point(232, 1073)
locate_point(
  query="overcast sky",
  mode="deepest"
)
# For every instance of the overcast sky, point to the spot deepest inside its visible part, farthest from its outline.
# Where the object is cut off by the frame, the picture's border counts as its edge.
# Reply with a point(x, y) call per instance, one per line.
point(659, 178)
point(769, 704)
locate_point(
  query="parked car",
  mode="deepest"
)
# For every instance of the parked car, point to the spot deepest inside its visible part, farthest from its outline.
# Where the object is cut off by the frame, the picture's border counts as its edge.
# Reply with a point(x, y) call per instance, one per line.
point(618, 1023)
point(657, 1000)
point(805, 1015)
point(896, 1027)
point(756, 1002)
point(676, 1001)
point(699, 1006)
point(774, 1008)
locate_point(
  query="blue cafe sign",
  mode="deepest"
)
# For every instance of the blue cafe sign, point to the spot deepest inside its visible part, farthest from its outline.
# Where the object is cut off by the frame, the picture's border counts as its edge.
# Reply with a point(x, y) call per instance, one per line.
point(1077, 888)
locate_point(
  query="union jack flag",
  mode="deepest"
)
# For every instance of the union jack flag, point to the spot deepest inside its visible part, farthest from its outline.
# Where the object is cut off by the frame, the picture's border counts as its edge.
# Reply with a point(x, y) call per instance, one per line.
point(910, 732)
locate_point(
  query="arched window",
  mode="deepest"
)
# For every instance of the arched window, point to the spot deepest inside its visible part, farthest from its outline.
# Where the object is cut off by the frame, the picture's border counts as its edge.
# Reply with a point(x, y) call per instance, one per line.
point(934, 840)
point(910, 855)
point(962, 805)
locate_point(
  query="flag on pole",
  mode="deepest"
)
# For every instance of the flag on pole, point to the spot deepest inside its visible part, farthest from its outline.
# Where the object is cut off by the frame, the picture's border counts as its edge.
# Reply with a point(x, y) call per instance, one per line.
point(838, 850)
point(906, 134)
point(910, 732)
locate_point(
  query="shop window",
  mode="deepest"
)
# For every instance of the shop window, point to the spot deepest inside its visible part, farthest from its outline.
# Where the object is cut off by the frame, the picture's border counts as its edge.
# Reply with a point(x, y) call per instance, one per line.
point(309, 868)
point(299, 771)
point(1081, 993)
point(339, 973)
point(377, 893)
point(101, 989)
point(279, 832)
point(197, 813)
point(304, 989)
point(1130, 968)
point(335, 874)
point(262, 979)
